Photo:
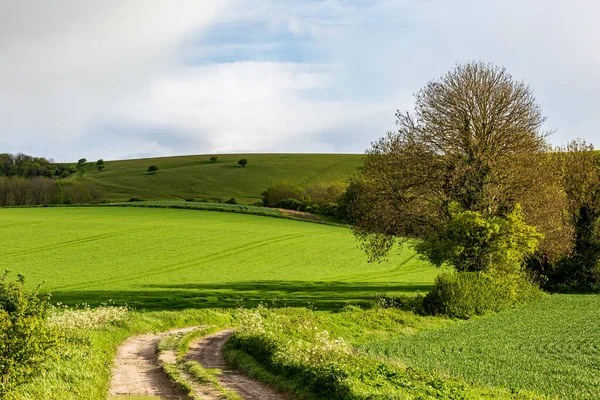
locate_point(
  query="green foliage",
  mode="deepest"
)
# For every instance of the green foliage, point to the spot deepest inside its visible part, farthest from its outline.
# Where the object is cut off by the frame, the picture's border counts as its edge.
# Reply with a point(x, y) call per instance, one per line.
point(81, 162)
point(231, 201)
point(195, 177)
point(242, 162)
point(22, 165)
point(175, 259)
point(581, 181)
point(213, 159)
point(26, 340)
point(471, 242)
point(467, 294)
point(549, 346)
point(275, 195)
point(152, 168)
point(318, 198)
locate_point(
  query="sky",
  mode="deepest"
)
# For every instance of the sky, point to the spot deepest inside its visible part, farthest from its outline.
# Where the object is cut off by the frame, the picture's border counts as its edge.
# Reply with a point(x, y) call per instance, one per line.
point(117, 79)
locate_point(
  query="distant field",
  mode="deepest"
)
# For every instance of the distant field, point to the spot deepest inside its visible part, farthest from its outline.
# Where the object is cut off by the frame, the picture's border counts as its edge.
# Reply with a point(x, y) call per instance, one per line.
point(195, 177)
point(550, 347)
point(171, 259)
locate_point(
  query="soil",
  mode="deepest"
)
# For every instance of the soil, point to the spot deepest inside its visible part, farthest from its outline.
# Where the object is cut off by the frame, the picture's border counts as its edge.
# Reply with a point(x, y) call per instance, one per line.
point(208, 351)
point(137, 371)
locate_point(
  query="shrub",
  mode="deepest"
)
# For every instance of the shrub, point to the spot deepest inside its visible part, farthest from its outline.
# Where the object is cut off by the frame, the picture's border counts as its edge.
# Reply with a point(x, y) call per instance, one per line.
point(152, 168)
point(243, 162)
point(133, 199)
point(231, 201)
point(26, 339)
point(276, 194)
point(466, 294)
point(213, 159)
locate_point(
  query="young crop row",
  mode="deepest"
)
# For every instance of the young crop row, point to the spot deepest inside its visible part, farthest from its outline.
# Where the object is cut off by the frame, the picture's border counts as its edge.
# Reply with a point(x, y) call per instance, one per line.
point(550, 347)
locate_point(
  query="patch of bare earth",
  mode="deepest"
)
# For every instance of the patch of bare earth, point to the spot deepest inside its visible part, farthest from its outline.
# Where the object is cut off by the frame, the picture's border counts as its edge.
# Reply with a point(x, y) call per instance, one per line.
point(136, 370)
point(208, 351)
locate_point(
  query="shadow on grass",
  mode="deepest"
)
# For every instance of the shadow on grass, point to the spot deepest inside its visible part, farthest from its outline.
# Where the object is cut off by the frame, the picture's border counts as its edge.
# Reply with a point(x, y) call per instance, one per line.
point(328, 296)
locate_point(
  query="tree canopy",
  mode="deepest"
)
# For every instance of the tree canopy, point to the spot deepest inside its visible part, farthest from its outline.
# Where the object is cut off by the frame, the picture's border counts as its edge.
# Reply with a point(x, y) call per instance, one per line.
point(471, 152)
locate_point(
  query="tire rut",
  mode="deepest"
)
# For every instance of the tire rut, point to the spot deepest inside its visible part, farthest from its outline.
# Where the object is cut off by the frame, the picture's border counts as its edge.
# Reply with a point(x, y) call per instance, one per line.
point(208, 351)
point(136, 370)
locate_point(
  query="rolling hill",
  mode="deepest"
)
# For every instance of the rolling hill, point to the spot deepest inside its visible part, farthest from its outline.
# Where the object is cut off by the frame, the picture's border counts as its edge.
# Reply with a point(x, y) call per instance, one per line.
point(195, 177)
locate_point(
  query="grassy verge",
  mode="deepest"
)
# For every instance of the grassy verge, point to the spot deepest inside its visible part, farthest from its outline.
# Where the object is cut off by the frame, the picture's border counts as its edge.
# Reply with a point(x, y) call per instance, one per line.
point(82, 364)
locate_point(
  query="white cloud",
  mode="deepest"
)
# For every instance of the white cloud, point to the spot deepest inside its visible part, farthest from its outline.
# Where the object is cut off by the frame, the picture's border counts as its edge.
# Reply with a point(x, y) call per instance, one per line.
point(110, 79)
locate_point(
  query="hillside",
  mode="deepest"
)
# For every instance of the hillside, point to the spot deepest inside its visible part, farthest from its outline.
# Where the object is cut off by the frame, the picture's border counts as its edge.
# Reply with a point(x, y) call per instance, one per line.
point(194, 176)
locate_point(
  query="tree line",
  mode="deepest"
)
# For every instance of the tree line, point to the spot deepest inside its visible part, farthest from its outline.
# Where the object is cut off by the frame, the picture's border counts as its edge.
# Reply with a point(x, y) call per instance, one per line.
point(41, 191)
point(26, 166)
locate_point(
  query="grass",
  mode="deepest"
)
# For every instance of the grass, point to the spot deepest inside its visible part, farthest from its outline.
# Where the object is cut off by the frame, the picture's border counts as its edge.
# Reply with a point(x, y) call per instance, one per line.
point(158, 259)
point(297, 351)
point(195, 177)
point(90, 337)
point(550, 347)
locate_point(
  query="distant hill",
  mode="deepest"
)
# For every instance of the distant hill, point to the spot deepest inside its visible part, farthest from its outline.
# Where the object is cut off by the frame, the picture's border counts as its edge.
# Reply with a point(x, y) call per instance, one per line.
point(196, 177)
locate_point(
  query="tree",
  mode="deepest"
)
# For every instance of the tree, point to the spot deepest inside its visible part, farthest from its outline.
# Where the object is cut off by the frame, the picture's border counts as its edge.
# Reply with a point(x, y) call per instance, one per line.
point(581, 180)
point(243, 162)
point(213, 159)
point(152, 168)
point(81, 162)
point(100, 164)
point(472, 152)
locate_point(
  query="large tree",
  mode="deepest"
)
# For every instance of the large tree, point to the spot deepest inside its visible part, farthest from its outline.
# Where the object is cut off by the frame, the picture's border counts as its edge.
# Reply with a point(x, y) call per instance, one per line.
point(472, 156)
point(581, 180)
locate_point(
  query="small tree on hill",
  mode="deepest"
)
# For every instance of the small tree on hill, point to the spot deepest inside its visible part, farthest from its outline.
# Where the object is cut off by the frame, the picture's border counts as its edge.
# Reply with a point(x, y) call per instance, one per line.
point(81, 162)
point(213, 159)
point(152, 168)
point(100, 164)
point(243, 162)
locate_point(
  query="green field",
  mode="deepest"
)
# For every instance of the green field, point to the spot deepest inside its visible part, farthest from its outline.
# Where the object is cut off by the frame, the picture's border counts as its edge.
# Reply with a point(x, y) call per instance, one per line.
point(550, 347)
point(171, 259)
point(195, 177)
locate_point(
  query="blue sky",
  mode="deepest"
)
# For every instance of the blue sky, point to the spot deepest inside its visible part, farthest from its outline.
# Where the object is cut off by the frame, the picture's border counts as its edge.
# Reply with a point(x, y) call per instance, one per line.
point(137, 78)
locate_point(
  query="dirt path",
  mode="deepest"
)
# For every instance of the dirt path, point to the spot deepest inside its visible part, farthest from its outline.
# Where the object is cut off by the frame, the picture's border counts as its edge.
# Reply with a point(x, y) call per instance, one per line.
point(209, 353)
point(136, 371)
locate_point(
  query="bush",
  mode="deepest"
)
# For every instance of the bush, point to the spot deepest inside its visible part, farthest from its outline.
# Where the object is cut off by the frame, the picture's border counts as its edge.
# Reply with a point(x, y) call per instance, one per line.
point(243, 162)
point(152, 168)
point(466, 294)
point(276, 194)
point(231, 201)
point(26, 340)
point(213, 159)
point(134, 199)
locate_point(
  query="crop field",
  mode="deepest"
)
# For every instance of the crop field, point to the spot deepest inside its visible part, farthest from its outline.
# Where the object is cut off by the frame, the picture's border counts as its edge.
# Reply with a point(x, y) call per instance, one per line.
point(172, 259)
point(195, 177)
point(550, 347)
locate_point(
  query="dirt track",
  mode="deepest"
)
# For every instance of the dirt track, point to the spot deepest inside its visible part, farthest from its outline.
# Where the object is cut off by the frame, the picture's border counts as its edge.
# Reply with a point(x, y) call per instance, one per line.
point(209, 353)
point(136, 370)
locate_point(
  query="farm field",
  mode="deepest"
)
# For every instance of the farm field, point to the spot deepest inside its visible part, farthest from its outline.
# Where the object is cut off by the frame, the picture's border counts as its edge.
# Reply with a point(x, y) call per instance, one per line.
point(549, 347)
point(195, 177)
point(172, 259)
